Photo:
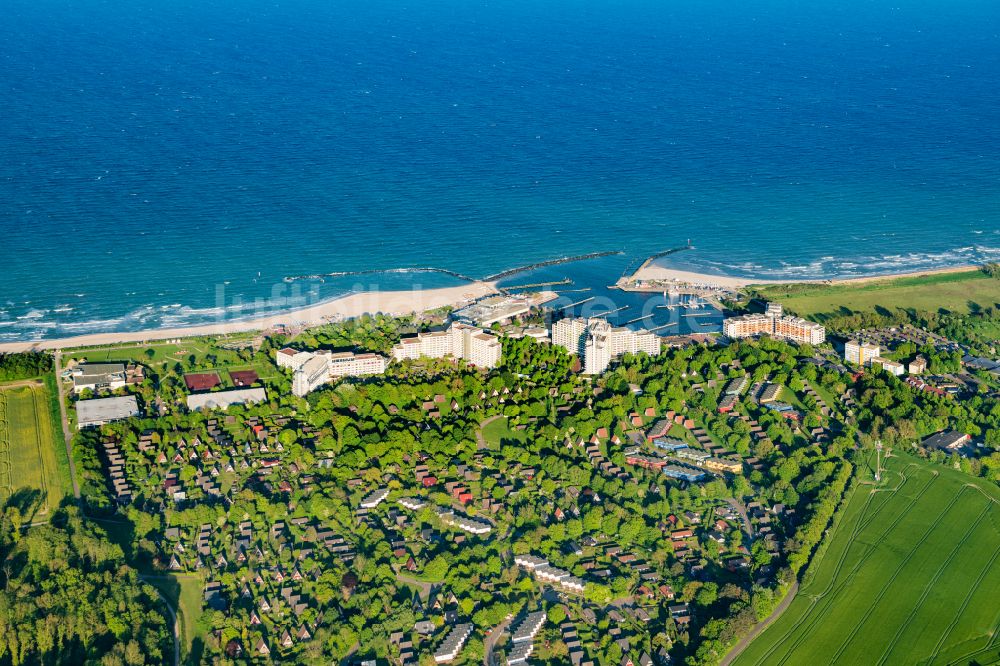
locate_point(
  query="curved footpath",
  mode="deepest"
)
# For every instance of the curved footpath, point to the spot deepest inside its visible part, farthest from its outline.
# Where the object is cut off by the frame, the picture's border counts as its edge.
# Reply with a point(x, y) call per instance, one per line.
point(173, 620)
point(761, 626)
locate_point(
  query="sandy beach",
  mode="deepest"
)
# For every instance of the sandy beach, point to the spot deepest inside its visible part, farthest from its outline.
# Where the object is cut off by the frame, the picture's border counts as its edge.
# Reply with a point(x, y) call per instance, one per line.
point(653, 272)
point(354, 305)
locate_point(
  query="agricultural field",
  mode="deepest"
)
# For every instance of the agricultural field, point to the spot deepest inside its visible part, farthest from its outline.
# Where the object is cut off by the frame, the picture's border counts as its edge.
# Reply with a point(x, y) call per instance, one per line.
point(908, 575)
point(30, 444)
point(958, 292)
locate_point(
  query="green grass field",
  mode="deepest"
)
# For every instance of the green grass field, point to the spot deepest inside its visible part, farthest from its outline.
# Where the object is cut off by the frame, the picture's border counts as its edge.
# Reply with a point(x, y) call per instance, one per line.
point(955, 292)
point(909, 574)
point(496, 431)
point(184, 591)
point(28, 445)
point(161, 357)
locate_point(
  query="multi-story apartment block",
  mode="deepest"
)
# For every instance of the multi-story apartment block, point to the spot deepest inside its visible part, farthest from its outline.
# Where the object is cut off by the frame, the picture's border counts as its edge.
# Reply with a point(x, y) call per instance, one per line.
point(312, 369)
point(785, 327)
point(890, 366)
point(472, 344)
point(570, 334)
point(292, 358)
point(311, 375)
point(349, 364)
point(599, 343)
point(860, 353)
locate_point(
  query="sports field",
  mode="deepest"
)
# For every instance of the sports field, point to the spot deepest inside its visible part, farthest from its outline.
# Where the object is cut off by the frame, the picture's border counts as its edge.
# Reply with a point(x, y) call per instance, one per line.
point(910, 575)
point(28, 444)
point(955, 292)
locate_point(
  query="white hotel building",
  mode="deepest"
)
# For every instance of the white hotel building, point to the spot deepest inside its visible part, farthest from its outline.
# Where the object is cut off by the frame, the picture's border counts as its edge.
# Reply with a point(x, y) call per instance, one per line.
point(472, 344)
point(599, 343)
point(310, 370)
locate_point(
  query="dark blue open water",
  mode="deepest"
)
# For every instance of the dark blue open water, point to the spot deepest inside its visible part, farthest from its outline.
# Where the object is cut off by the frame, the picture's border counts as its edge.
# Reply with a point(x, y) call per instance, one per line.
point(163, 162)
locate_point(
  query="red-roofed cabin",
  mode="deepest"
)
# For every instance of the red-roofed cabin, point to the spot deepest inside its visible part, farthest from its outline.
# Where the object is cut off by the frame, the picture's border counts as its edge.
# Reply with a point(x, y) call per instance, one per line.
point(203, 381)
point(428, 481)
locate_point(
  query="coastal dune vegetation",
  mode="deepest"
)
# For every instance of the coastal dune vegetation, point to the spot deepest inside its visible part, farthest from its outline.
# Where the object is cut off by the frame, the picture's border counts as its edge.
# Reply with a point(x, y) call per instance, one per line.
point(959, 292)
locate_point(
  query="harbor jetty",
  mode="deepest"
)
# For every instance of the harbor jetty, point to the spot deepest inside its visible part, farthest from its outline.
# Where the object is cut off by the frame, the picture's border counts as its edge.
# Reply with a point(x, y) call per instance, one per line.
point(455, 274)
point(550, 262)
point(375, 271)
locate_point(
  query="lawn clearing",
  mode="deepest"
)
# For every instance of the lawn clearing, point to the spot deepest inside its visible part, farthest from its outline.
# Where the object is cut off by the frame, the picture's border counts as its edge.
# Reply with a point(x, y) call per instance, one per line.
point(499, 430)
point(909, 575)
point(955, 292)
point(28, 441)
point(185, 593)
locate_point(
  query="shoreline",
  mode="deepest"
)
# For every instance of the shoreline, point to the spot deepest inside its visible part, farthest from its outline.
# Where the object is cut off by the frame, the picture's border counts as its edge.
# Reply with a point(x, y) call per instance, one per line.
point(422, 300)
point(342, 307)
point(681, 277)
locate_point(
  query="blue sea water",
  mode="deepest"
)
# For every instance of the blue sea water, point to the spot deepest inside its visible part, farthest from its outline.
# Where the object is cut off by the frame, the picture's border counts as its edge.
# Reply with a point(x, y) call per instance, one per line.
point(167, 163)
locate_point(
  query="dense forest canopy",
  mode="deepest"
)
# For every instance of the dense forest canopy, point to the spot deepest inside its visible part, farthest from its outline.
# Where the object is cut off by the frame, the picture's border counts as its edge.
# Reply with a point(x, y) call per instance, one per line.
point(68, 597)
point(24, 365)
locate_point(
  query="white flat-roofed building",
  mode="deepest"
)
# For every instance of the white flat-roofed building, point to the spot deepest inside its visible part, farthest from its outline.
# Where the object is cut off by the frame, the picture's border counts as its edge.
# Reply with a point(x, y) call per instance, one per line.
point(774, 310)
point(890, 366)
point(98, 376)
point(495, 309)
point(474, 345)
point(97, 412)
point(537, 333)
point(482, 349)
point(453, 644)
point(860, 353)
point(291, 358)
point(311, 375)
point(597, 354)
point(225, 399)
point(600, 343)
point(570, 334)
point(314, 369)
point(349, 364)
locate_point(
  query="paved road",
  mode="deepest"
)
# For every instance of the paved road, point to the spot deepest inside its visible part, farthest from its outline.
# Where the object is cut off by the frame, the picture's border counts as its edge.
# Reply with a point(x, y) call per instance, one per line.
point(760, 626)
point(424, 586)
point(65, 426)
point(489, 659)
point(742, 510)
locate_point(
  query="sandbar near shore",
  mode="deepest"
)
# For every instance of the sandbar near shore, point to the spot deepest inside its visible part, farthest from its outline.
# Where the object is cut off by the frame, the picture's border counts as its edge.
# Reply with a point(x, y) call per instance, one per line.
point(353, 305)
